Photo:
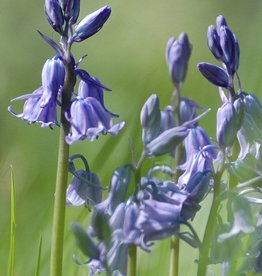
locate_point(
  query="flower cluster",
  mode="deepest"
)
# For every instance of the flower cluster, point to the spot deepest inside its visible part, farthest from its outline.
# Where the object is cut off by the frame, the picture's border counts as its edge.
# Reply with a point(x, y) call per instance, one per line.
point(238, 126)
point(158, 205)
point(83, 109)
point(168, 197)
point(142, 207)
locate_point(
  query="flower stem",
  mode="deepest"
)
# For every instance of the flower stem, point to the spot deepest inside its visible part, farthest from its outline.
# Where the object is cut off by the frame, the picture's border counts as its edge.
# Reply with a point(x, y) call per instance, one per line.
point(132, 256)
point(61, 179)
point(174, 256)
point(132, 250)
point(209, 232)
point(174, 241)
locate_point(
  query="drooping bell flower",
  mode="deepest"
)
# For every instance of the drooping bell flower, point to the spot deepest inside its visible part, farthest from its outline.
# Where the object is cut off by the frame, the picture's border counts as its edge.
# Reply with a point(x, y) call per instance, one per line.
point(84, 189)
point(89, 119)
point(53, 75)
point(34, 112)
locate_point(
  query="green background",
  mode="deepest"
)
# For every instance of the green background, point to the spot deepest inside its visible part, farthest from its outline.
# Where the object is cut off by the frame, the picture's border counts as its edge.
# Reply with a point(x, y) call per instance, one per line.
point(128, 55)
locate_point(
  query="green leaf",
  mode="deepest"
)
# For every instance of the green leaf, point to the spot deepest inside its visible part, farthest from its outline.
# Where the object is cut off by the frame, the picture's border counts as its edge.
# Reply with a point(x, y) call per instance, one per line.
point(12, 228)
point(38, 264)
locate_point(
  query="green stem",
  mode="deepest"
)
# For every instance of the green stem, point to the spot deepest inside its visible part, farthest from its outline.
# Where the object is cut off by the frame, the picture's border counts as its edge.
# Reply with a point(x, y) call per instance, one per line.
point(209, 232)
point(61, 179)
point(132, 250)
point(132, 257)
point(174, 241)
point(174, 256)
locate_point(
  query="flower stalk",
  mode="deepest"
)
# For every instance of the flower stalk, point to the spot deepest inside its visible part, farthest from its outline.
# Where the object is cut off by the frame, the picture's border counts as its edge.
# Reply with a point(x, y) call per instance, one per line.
point(209, 231)
point(61, 179)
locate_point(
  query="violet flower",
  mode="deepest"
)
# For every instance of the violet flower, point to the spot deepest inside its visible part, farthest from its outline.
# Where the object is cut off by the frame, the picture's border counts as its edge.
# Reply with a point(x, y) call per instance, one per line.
point(41, 105)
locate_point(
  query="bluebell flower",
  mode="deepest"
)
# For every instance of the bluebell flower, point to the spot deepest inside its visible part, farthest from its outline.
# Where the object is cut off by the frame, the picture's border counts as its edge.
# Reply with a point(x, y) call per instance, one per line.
point(41, 105)
point(177, 56)
point(84, 189)
point(93, 88)
point(158, 220)
point(88, 116)
point(199, 162)
point(196, 140)
point(91, 24)
point(88, 119)
point(53, 75)
point(34, 112)
point(54, 15)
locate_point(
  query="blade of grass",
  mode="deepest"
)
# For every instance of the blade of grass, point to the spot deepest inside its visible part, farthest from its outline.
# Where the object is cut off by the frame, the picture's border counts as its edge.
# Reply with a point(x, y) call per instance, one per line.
point(11, 268)
point(38, 264)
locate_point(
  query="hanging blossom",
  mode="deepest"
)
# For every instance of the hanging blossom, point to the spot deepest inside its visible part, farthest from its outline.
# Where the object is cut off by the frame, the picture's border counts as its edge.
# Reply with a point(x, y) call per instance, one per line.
point(86, 113)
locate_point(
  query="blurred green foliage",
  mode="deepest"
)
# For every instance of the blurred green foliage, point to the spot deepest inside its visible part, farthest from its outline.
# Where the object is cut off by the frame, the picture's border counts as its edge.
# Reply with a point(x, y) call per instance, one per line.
point(128, 55)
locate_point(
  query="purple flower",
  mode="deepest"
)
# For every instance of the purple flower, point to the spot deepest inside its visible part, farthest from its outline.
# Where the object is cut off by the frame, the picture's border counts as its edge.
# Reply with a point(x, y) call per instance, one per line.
point(41, 105)
point(54, 15)
point(34, 112)
point(93, 89)
point(84, 189)
point(89, 119)
point(53, 75)
point(177, 56)
point(91, 24)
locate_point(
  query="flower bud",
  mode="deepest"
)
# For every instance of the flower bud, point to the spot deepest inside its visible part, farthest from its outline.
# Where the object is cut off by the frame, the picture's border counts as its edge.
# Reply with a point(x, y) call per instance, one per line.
point(71, 10)
point(213, 42)
point(230, 49)
point(220, 21)
point(167, 141)
point(253, 107)
point(177, 56)
point(187, 110)
point(150, 118)
point(84, 242)
point(167, 118)
point(214, 74)
point(239, 107)
point(227, 125)
point(54, 15)
point(91, 24)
